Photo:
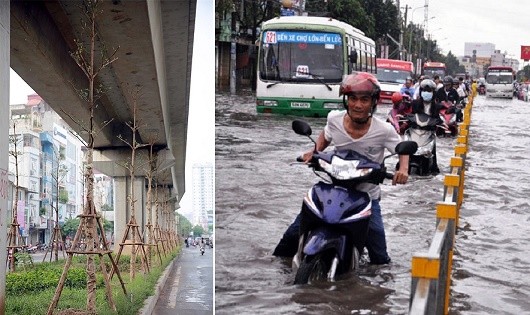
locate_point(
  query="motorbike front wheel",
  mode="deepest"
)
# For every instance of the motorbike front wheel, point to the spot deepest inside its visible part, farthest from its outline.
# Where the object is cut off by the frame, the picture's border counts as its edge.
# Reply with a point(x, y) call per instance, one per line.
point(312, 268)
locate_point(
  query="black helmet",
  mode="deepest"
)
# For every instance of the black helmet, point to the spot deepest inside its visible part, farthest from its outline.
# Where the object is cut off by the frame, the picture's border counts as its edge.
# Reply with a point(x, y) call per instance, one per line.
point(448, 80)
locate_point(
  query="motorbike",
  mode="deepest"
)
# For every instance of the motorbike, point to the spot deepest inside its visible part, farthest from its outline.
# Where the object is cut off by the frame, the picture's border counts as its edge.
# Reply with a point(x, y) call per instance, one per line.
point(396, 115)
point(335, 215)
point(422, 130)
point(202, 250)
point(449, 113)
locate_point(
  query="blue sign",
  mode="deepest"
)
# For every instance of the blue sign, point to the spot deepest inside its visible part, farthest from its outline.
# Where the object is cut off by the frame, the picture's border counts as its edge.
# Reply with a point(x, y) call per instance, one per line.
point(273, 37)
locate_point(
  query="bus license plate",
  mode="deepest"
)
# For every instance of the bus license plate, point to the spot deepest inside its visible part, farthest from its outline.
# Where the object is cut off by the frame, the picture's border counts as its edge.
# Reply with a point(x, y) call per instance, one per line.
point(300, 105)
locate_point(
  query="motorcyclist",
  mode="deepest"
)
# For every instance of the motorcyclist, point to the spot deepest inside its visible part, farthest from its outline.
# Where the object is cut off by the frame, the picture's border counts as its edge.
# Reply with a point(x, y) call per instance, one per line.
point(427, 104)
point(407, 88)
point(448, 93)
point(401, 108)
point(459, 86)
point(356, 128)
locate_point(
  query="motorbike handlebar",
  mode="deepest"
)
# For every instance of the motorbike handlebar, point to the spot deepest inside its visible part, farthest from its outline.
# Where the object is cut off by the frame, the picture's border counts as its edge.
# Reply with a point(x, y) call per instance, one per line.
point(389, 175)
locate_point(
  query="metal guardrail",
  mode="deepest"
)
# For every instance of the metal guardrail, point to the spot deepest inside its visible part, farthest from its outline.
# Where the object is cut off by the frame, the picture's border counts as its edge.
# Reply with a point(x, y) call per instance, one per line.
point(431, 270)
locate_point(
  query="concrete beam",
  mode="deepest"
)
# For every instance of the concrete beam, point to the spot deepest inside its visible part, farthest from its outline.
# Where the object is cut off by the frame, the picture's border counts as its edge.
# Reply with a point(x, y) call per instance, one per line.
point(4, 142)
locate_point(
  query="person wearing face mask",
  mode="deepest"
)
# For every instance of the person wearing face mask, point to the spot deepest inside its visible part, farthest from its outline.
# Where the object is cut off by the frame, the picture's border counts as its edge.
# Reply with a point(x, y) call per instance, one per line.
point(448, 93)
point(426, 103)
point(356, 128)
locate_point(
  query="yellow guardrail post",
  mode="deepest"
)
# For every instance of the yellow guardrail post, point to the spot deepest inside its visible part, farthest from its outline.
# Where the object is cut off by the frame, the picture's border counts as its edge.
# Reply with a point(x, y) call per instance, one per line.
point(431, 271)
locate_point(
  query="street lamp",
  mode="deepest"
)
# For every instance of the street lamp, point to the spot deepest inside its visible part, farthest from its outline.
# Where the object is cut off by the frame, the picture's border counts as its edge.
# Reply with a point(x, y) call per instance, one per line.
point(412, 21)
point(412, 14)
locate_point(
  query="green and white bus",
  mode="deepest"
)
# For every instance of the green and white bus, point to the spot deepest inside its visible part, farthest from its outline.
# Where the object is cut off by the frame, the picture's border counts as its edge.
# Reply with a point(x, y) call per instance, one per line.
point(302, 61)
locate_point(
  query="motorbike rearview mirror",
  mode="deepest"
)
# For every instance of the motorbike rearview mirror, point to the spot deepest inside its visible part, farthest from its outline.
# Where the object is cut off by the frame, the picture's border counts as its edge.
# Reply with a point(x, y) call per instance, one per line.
point(406, 147)
point(302, 128)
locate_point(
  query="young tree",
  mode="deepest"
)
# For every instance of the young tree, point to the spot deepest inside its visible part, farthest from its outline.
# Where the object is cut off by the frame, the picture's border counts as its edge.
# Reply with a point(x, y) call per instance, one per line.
point(86, 240)
point(58, 174)
point(136, 238)
point(14, 239)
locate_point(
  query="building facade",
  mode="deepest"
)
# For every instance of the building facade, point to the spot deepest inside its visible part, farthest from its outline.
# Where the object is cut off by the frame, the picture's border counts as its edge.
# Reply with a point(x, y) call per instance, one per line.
point(49, 164)
point(203, 194)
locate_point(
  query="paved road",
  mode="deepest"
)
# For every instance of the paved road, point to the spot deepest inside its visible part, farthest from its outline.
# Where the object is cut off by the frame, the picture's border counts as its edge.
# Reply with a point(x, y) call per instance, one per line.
point(189, 287)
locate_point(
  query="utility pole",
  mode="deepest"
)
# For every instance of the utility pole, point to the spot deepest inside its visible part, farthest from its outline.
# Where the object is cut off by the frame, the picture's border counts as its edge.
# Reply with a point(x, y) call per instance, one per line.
point(400, 22)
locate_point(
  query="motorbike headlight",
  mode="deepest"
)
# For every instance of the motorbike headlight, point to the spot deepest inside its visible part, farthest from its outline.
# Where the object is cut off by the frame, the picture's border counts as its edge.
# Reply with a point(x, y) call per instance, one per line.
point(426, 149)
point(343, 169)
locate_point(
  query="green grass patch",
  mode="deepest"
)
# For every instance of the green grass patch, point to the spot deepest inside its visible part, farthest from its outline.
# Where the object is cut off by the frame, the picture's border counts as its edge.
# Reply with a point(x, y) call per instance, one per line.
point(30, 291)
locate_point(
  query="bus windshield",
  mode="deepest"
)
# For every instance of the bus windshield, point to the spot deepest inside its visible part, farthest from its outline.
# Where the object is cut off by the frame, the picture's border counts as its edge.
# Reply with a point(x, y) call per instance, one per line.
point(499, 78)
point(387, 75)
point(431, 72)
point(298, 56)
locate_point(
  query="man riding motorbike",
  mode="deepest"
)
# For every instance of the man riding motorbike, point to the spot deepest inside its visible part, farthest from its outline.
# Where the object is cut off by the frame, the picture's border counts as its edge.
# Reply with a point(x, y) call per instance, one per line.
point(355, 128)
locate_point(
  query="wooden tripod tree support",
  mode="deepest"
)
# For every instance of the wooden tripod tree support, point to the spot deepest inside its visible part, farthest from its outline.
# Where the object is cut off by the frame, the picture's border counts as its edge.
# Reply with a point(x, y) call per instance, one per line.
point(132, 226)
point(152, 243)
point(56, 245)
point(14, 243)
point(88, 241)
point(159, 239)
point(150, 173)
point(136, 244)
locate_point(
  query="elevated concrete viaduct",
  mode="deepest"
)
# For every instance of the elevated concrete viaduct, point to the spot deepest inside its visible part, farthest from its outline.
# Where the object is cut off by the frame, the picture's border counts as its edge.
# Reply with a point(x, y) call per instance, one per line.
point(155, 40)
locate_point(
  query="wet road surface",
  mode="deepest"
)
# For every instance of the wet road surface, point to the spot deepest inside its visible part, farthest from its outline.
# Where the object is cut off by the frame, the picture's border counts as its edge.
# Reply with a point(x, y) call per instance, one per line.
point(189, 287)
point(259, 192)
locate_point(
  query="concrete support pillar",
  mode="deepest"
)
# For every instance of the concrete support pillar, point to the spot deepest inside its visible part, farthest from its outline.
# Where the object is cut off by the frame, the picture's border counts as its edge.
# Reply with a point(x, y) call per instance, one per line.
point(4, 140)
point(164, 217)
point(122, 209)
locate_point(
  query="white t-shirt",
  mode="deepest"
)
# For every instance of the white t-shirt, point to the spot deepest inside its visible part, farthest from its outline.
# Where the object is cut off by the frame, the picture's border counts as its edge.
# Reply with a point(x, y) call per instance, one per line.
point(380, 135)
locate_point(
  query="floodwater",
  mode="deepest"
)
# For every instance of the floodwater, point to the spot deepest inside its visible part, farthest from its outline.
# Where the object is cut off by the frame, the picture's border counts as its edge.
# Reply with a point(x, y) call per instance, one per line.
point(259, 190)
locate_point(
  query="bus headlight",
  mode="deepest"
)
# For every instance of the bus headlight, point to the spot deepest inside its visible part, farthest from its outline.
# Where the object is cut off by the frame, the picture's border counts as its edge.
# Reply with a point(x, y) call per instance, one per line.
point(332, 105)
point(266, 103)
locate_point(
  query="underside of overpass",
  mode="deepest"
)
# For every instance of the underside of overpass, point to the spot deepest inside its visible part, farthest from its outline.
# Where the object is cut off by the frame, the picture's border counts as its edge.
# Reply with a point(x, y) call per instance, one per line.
point(154, 42)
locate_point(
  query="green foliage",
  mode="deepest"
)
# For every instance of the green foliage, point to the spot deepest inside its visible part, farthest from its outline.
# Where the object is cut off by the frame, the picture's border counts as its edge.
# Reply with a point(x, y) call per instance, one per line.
point(70, 227)
point(74, 294)
point(63, 196)
point(223, 7)
point(185, 226)
point(23, 260)
point(453, 65)
point(42, 211)
point(43, 278)
point(108, 226)
point(198, 230)
point(524, 74)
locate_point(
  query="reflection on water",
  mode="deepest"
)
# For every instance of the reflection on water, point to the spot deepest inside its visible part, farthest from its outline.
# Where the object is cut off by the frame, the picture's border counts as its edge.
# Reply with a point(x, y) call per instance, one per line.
point(259, 190)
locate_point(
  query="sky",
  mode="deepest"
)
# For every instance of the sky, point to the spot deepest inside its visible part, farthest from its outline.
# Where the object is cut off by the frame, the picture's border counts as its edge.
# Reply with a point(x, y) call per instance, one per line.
point(453, 22)
point(200, 147)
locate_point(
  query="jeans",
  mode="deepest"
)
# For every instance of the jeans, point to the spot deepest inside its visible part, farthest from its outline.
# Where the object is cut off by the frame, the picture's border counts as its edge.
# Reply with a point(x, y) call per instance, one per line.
point(375, 242)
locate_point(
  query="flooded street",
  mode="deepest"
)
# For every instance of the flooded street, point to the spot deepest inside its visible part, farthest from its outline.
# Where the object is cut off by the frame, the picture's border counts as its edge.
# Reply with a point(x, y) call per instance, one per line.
point(259, 190)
